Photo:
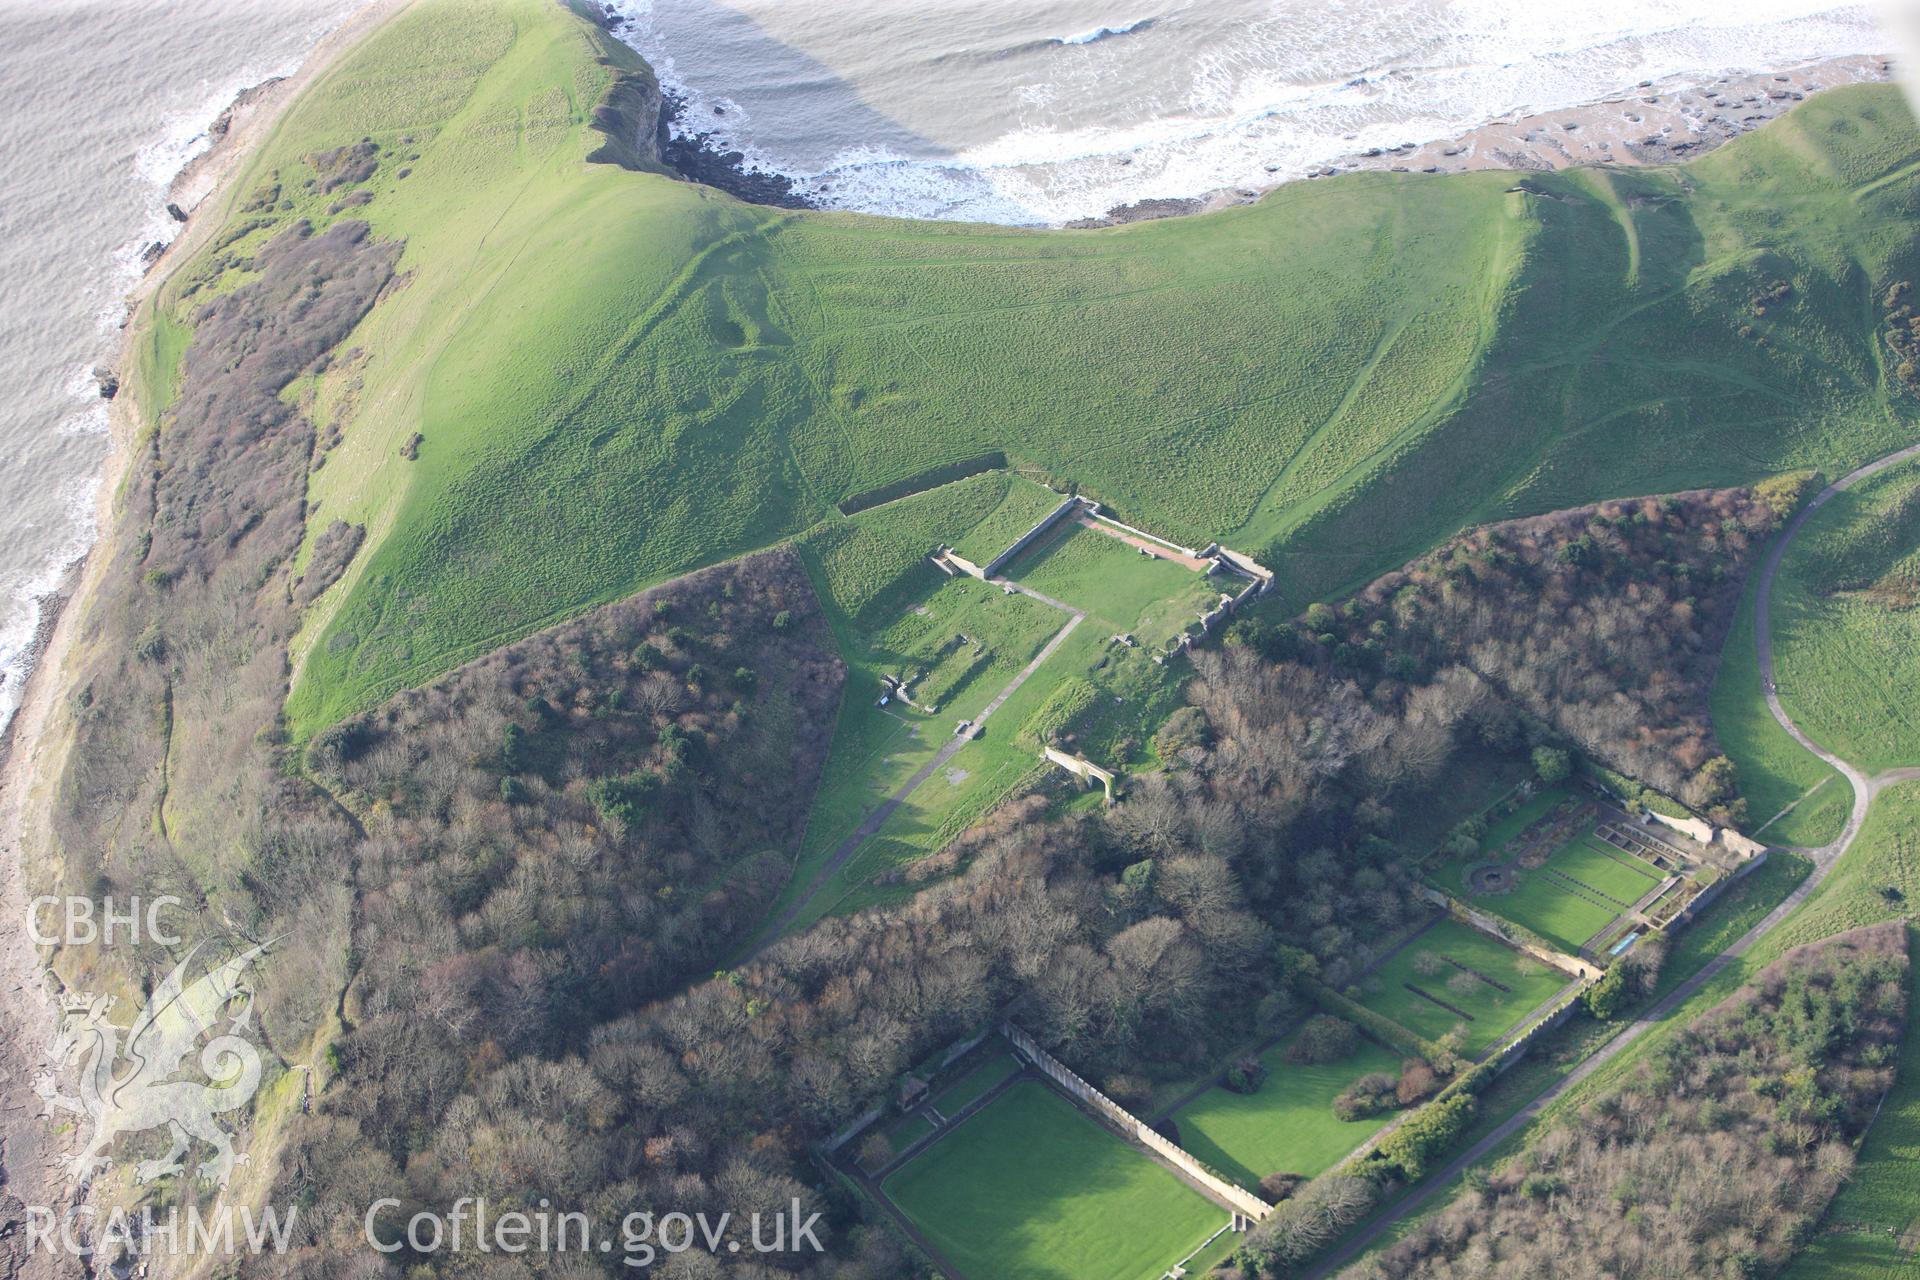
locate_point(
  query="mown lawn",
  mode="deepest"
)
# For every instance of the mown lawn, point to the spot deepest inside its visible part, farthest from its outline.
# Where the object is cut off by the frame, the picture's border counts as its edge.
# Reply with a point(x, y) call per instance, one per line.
point(1550, 910)
point(1121, 589)
point(1033, 1189)
point(1616, 874)
point(1537, 901)
point(1287, 1125)
point(1846, 623)
point(1423, 963)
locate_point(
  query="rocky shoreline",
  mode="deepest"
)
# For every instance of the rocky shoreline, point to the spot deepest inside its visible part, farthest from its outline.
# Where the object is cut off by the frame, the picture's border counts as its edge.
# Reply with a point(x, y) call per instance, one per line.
point(35, 1150)
point(1652, 124)
point(697, 157)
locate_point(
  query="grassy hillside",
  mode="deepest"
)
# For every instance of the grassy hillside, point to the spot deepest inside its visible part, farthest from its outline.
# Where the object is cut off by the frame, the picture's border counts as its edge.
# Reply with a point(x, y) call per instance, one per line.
point(1793, 797)
point(1846, 626)
point(615, 376)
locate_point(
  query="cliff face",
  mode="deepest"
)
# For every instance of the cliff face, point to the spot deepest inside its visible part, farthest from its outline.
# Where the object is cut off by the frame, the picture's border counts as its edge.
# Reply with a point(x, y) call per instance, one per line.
point(629, 117)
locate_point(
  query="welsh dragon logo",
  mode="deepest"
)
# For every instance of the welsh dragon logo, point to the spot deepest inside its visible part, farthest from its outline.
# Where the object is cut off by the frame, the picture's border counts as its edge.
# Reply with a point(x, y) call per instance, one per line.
point(135, 1084)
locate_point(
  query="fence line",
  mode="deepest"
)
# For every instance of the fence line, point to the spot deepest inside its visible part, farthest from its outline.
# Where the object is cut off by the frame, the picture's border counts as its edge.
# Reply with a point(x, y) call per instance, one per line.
point(1230, 1197)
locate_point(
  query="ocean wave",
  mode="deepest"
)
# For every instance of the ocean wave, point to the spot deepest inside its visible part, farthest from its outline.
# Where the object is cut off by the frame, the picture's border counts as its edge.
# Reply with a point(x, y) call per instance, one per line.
point(1103, 33)
point(68, 533)
point(1264, 102)
point(29, 593)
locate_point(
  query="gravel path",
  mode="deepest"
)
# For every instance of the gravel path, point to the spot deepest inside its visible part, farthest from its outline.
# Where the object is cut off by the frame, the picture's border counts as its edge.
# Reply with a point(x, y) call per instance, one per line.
point(872, 823)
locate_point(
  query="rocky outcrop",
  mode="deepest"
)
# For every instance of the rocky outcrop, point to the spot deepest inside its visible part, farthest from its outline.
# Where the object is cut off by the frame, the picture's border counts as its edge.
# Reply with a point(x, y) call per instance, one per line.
point(629, 119)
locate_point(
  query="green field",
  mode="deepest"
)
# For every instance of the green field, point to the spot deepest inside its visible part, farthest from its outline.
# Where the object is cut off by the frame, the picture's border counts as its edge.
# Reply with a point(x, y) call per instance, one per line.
point(1793, 797)
point(1846, 623)
point(1547, 908)
point(1287, 1125)
point(619, 376)
point(1024, 505)
point(1121, 589)
point(1530, 810)
point(1618, 875)
point(874, 565)
point(1879, 877)
point(1033, 1189)
point(1493, 1012)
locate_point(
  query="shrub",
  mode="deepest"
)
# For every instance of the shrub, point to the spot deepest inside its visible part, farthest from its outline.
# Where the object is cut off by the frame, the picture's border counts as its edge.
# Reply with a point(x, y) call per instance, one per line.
point(1381, 1028)
point(1276, 1187)
point(1427, 964)
point(1185, 728)
point(1418, 1081)
point(1129, 1090)
point(1324, 1038)
point(1370, 1095)
point(875, 1150)
point(1409, 1150)
point(151, 645)
point(1291, 965)
point(1553, 764)
point(1246, 1075)
point(623, 799)
point(1606, 997)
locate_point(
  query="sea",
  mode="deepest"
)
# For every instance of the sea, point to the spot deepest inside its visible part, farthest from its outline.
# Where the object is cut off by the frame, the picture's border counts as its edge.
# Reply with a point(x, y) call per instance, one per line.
point(1011, 111)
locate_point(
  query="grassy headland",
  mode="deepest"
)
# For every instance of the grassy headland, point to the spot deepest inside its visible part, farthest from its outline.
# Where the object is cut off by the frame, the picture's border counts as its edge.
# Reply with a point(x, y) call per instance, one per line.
point(616, 376)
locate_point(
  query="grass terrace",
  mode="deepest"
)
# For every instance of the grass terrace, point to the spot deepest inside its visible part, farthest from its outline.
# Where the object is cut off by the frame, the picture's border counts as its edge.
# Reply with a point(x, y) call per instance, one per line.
point(980, 1080)
point(1024, 505)
point(1032, 1188)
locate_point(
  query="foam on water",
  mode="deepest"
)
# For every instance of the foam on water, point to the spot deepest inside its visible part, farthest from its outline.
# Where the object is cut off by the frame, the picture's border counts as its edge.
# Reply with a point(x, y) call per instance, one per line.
point(1070, 126)
point(1102, 33)
point(133, 98)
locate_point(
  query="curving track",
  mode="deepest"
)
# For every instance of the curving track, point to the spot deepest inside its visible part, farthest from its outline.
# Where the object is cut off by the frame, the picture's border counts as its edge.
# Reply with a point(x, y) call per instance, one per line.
point(1824, 859)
